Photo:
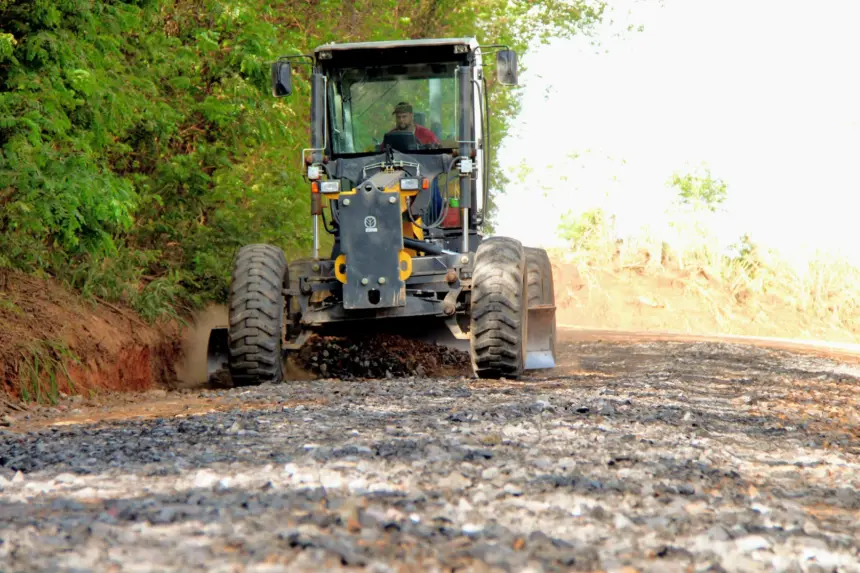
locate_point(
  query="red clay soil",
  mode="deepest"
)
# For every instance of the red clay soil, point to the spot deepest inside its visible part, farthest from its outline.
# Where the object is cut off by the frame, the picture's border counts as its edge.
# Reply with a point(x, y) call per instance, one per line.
point(101, 346)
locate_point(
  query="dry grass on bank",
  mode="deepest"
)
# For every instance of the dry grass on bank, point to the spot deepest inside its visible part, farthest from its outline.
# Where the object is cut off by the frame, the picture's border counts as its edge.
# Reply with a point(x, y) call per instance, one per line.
point(647, 285)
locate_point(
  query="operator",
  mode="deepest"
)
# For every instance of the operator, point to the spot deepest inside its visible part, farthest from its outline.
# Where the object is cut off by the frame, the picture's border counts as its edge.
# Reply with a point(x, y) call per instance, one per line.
point(404, 120)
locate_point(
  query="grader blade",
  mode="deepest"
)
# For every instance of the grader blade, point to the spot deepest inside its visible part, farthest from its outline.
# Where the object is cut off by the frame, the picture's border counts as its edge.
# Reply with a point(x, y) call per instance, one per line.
point(448, 334)
point(540, 343)
point(217, 351)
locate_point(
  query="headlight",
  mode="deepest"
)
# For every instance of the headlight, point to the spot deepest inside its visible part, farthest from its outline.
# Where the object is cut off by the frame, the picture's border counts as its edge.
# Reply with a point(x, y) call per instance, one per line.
point(409, 184)
point(330, 186)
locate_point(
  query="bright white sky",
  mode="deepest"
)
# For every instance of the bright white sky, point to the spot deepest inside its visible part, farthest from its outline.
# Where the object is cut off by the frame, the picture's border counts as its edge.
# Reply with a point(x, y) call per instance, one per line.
point(765, 92)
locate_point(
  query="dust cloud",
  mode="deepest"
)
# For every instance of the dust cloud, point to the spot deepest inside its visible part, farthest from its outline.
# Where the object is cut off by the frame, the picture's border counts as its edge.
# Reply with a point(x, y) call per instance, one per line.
point(191, 370)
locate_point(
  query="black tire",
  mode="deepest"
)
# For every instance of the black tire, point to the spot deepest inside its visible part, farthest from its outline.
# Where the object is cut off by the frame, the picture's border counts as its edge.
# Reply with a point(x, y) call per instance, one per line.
point(257, 304)
point(540, 279)
point(540, 284)
point(499, 309)
point(535, 277)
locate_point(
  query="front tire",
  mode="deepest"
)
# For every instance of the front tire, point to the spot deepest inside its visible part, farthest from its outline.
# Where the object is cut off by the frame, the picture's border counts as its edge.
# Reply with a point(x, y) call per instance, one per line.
point(499, 309)
point(257, 323)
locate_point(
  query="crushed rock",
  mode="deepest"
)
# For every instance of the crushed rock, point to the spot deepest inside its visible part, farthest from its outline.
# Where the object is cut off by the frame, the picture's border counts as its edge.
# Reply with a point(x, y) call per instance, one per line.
point(380, 356)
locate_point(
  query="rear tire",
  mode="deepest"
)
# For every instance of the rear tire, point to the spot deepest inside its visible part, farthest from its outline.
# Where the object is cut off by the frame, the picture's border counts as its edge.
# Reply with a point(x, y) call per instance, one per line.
point(257, 304)
point(499, 309)
point(541, 287)
point(541, 284)
point(534, 266)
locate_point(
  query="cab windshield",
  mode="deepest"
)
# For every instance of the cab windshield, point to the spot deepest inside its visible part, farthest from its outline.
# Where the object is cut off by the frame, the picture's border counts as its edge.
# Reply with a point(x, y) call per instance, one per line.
point(409, 107)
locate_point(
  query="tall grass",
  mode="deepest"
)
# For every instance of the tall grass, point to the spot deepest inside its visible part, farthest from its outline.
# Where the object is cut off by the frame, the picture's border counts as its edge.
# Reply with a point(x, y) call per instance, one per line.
point(40, 366)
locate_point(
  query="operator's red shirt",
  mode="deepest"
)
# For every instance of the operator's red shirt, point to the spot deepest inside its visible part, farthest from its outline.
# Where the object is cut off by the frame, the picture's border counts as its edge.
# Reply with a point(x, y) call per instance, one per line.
point(424, 135)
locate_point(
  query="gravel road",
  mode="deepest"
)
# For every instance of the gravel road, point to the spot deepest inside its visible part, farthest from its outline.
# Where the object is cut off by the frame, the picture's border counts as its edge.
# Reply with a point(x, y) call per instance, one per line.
point(633, 455)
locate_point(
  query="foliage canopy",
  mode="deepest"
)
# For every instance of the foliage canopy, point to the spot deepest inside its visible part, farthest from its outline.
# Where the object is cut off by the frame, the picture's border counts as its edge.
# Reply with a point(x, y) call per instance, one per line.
point(139, 143)
point(700, 189)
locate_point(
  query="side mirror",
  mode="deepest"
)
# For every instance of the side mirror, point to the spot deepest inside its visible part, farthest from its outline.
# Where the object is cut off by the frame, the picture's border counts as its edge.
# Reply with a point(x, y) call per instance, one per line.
point(282, 79)
point(506, 67)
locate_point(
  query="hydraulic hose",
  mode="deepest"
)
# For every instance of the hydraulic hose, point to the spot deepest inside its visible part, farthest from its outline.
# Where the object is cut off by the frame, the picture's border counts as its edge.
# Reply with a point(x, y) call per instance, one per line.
point(428, 248)
point(485, 207)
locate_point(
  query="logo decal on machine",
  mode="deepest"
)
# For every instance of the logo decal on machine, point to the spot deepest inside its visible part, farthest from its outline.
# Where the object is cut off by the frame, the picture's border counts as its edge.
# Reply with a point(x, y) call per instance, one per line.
point(370, 225)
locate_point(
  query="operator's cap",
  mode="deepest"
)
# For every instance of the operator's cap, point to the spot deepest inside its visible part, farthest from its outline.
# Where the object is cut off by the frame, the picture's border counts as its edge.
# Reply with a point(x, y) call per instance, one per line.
point(403, 107)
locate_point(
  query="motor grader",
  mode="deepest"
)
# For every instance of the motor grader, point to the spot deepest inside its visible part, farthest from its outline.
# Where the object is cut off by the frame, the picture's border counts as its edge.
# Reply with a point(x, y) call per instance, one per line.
point(398, 172)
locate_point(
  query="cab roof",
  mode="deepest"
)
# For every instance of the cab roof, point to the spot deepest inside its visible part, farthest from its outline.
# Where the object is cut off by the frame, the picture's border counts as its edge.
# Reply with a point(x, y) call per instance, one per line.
point(387, 44)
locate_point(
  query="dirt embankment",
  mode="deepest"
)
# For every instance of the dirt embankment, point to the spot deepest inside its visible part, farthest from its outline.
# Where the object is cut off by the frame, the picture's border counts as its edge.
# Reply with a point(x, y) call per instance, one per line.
point(692, 302)
point(52, 342)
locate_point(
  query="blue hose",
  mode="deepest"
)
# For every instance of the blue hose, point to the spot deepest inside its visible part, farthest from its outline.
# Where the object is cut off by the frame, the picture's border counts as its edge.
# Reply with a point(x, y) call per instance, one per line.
point(436, 204)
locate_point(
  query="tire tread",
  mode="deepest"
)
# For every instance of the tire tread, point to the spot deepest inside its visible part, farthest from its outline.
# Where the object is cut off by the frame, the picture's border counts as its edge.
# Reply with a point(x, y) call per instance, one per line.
point(260, 273)
point(498, 308)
